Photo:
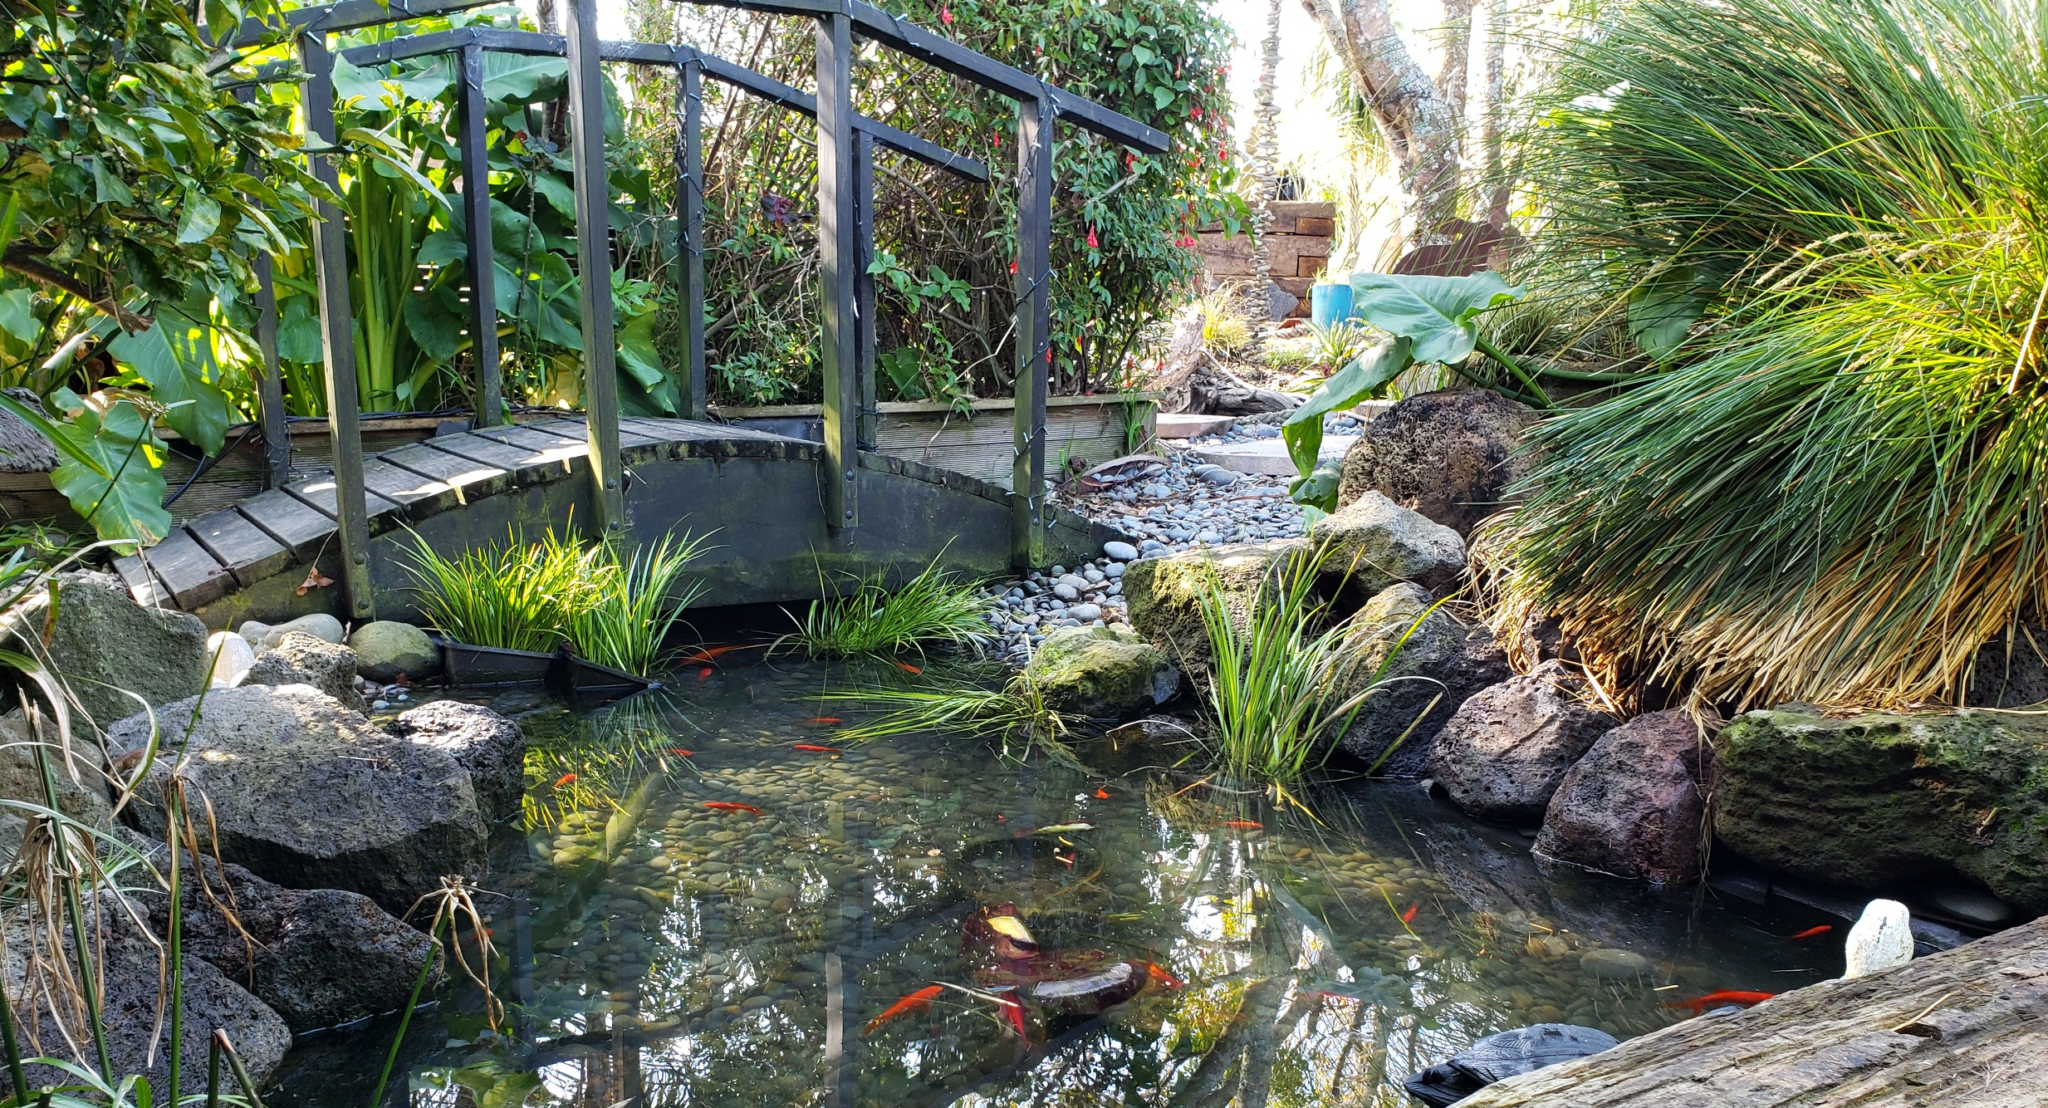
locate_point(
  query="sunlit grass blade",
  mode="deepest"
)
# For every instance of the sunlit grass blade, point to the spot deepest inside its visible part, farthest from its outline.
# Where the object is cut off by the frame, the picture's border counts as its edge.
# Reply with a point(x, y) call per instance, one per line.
point(934, 607)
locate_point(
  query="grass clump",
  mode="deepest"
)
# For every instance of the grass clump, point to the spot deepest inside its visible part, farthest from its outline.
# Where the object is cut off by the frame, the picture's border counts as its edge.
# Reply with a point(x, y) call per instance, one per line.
point(872, 621)
point(609, 607)
point(1013, 713)
point(1834, 494)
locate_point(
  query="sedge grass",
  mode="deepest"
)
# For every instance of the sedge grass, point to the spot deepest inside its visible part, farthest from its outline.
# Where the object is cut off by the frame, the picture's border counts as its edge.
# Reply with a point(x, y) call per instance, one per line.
point(628, 617)
point(874, 621)
point(1013, 713)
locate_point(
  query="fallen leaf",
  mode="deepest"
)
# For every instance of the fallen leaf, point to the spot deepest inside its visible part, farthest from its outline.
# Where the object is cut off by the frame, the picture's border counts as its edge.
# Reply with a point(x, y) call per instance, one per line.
point(314, 580)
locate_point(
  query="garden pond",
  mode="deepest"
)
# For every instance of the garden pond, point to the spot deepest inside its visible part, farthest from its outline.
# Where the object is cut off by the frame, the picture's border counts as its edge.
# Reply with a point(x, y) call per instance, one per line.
point(697, 910)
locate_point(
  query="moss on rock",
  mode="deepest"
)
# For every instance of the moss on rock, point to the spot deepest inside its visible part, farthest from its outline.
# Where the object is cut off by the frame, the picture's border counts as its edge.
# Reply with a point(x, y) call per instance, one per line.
point(1164, 595)
point(1102, 673)
point(1880, 797)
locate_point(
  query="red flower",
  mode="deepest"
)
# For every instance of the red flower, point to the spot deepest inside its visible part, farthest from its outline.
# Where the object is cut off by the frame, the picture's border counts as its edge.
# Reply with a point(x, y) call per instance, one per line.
point(1093, 244)
point(1195, 112)
point(1223, 153)
point(1013, 269)
point(945, 15)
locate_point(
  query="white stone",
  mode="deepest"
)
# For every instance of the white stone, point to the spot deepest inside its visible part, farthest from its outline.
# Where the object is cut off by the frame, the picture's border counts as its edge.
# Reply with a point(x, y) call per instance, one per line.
point(1066, 592)
point(320, 625)
point(1121, 551)
point(232, 656)
point(1114, 569)
point(1883, 938)
point(1086, 613)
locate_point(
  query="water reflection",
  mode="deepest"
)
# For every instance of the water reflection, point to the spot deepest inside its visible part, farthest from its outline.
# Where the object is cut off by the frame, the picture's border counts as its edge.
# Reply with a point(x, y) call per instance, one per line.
point(663, 952)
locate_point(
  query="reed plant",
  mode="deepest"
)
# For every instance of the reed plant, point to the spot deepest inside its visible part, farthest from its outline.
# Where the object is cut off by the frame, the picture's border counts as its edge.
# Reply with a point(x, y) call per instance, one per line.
point(1012, 712)
point(872, 620)
point(1834, 495)
point(635, 604)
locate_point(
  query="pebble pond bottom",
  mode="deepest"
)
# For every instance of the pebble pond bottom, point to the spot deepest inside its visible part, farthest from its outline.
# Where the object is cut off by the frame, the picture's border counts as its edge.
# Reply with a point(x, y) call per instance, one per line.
point(849, 946)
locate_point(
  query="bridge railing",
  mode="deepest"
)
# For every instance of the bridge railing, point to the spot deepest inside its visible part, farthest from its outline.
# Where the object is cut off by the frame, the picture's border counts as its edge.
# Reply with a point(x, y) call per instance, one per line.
point(845, 205)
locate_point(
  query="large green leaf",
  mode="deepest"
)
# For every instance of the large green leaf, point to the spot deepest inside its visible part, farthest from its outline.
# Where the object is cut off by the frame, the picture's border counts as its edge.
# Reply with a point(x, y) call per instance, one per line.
point(109, 471)
point(1364, 378)
point(18, 315)
point(517, 79)
point(176, 358)
point(1662, 310)
point(1436, 312)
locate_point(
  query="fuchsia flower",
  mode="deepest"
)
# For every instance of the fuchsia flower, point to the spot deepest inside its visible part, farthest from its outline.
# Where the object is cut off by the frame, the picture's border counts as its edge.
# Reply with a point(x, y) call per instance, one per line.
point(1195, 112)
point(1093, 244)
point(945, 15)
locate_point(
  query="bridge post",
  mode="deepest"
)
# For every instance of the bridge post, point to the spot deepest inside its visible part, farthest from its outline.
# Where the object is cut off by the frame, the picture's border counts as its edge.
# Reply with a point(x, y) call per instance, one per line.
point(864, 285)
point(594, 264)
point(837, 250)
point(337, 335)
point(690, 221)
point(1034, 329)
point(476, 210)
point(277, 439)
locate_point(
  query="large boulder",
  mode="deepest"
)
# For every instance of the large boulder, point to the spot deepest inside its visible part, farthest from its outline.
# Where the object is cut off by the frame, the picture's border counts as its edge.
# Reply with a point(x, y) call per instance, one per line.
point(1102, 673)
point(387, 650)
point(1164, 595)
point(1418, 654)
point(107, 646)
point(489, 746)
point(79, 792)
point(1876, 798)
point(1373, 542)
point(301, 659)
point(1506, 749)
point(133, 1003)
point(1635, 806)
point(1449, 455)
point(318, 957)
point(306, 793)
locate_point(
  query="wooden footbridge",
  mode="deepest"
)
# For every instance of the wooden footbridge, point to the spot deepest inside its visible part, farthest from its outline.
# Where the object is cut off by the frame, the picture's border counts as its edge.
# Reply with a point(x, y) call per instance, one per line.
point(781, 509)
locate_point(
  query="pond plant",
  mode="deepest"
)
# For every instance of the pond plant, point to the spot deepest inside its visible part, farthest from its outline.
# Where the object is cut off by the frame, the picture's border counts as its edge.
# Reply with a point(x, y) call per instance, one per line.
point(871, 620)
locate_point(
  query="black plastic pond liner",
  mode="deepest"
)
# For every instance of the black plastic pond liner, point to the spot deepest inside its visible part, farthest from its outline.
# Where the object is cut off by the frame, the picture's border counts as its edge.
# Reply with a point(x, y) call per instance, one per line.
point(486, 667)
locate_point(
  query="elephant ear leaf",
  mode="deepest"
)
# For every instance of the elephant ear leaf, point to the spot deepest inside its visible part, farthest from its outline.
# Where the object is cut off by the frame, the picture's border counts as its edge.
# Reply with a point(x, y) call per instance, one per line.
point(1662, 310)
point(109, 469)
point(174, 356)
point(1436, 313)
point(1364, 378)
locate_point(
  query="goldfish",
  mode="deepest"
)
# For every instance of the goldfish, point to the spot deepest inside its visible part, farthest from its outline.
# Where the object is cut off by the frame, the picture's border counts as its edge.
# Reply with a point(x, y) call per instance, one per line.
point(1102, 794)
point(814, 748)
point(1700, 1004)
point(1014, 1012)
point(729, 806)
point(1061, 828)
point(1810, 932)
point(1245, 824)
point(914, 1002)
point(824, 721)
point(704, 674)
point(678, 752)
point(705, 654)
point(1153, 971)
point(910, 669)
point(1409, 915)
point(564, 779)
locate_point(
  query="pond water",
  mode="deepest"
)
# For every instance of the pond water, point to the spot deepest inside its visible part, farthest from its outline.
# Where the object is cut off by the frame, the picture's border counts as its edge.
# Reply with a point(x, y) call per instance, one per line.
point(651, 946)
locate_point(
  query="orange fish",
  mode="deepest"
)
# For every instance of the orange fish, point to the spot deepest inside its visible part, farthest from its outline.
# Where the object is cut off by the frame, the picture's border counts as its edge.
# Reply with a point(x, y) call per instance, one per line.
point(915, 1002)
point(1810, 932)
point(1014, 1012)
point(1000, 818)
point(564, 779)
point(1153, 971)
point(704, 674)
point(729, 806)
point(824, 721)
point(909, 669)
point(705, 654)
point(814, 748)
point(1102, 794)
point(1700, 1004)
point(1409, 915)
point(678, 752)
point(1245, 824)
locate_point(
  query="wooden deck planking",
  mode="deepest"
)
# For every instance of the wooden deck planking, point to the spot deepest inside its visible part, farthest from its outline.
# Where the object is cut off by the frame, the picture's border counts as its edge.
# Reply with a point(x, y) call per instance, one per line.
point(527, 467)
point(465, 478)
point(249, 553)
point(289, 520)
point(188, 569)
point(319, 493)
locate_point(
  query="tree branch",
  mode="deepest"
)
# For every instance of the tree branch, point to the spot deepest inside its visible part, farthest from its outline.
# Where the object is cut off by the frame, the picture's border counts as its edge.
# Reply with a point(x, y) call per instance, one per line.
point(20, 260)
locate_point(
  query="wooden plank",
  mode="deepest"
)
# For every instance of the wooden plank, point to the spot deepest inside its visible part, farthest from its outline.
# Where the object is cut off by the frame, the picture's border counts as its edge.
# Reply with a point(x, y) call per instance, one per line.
point(402, 486)
point(243, 547)
point(530, 436)
point(527, 467)
point(143, 585)
point(321, 493)
point(287, 519)
point(1967, 1026)
point(465, 478)
point(574, 430)
point(193, 575)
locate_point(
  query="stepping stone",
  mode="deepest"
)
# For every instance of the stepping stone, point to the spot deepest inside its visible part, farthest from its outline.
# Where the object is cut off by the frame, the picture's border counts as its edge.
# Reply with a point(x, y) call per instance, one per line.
point(1269, 456)
point(1192, 426)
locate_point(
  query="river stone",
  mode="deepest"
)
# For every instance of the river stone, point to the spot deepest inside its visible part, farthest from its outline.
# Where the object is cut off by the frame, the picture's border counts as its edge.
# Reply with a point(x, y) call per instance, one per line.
point(1635, 805)
point(1881, 938)
point(387, 650)
point(131, 1005)
point(1881, 798)
point(309, 795)
point(1506, 749)
point(1163, 596)
point(232, 656)
point(107, 646)
point(298, 658)
point(1101, 673)
point(489, 746)
point(264, 636)
point(319, 957)
point(1971, 905)
point(1373, 542)
point(1614, 965)
point(1449, 455)
point(1440, 659)
point(1120, 550)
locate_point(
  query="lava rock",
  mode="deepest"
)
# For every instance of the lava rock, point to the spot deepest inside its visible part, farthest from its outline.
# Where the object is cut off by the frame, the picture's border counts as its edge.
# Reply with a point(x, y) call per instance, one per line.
point(387, 650)
point(1635, 806)
point(1436, 657)
point(107, 646)
point(1507, 748)
point(309, 795)
point(1881, 798)
point(487, 745)
point(1499, 1057)
point(21, 779)
point(1164, 595)
point(1101, 673)
point(1449, 455)
point(1373, 542)
point(2009, 674)
point(319, 957)
point(301, 659)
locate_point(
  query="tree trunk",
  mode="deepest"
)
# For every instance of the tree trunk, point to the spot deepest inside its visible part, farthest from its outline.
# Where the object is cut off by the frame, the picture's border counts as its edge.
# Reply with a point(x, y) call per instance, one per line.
point(1420, 121)
point(1265, 149)
point(1493, 170)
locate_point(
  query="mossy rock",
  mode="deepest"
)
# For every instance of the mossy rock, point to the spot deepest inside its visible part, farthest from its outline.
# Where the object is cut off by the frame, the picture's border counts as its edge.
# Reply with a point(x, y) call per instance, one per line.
point(1102, 673)
point(1878, 798)
point(1164, 595)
